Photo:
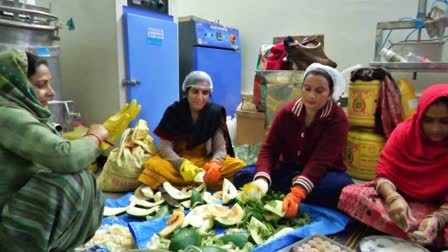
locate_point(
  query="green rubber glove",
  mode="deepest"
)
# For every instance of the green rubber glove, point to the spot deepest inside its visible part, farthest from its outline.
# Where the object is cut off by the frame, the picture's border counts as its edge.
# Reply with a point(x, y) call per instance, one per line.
point(119, 122)
point(188, 170)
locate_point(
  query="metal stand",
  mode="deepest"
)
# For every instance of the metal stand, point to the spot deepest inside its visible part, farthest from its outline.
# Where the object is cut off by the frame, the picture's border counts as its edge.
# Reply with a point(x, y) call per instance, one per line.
point(400, 25)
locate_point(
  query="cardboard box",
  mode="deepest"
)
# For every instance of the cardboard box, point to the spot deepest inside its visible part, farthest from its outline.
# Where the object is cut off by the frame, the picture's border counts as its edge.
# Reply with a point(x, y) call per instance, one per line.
point(249, 126)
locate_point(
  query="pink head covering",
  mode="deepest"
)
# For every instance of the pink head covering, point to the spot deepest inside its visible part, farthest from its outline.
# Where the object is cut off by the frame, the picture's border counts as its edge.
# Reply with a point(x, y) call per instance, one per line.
point(417, 166)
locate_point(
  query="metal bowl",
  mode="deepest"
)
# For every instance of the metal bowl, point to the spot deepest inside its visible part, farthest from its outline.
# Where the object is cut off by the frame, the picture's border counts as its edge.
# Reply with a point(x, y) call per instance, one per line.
point(378, 243)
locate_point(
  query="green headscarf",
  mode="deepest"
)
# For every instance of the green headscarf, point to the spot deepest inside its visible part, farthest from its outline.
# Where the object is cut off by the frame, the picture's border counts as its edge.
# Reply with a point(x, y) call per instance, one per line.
point(15, 88)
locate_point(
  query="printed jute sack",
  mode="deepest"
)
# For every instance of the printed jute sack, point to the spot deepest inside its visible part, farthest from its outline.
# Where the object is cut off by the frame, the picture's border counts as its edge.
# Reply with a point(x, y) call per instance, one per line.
point(124, 164)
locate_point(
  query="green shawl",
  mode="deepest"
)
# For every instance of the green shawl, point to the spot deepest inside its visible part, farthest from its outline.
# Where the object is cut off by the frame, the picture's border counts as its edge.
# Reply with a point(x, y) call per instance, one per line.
point(15, 88)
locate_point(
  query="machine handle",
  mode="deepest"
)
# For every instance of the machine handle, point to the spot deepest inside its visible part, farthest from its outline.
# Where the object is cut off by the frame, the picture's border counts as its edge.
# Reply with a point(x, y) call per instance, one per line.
point(130, 82)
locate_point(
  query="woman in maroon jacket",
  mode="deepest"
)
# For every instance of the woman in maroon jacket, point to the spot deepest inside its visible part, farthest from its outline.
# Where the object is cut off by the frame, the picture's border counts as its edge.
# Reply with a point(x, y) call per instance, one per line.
point(303, 153)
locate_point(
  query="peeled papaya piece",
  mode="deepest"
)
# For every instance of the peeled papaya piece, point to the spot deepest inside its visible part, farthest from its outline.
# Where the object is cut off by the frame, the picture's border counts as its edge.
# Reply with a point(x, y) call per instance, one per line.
point(196, 198)
point(229, 191)
point(176, 193)
point(175, 221)
point(113, 211)
point(275, 207)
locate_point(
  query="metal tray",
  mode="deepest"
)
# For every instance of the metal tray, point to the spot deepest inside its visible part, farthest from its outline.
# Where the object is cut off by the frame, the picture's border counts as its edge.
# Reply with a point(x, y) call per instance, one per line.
point(306, 241)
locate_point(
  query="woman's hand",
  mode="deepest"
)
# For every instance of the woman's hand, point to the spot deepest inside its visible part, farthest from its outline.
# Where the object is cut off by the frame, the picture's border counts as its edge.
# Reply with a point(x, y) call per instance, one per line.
point(427, 230)
point(255, 190)
point(118, 123)
point(212, 174)
point(291, 202)
point(431, 225)
point(188, 170)
point(400, 212)
point(98, 132)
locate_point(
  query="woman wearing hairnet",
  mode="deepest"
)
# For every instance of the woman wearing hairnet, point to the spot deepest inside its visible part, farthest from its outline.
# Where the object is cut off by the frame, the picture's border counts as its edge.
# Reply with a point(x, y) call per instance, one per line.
point(193, 138)
point(303, 153)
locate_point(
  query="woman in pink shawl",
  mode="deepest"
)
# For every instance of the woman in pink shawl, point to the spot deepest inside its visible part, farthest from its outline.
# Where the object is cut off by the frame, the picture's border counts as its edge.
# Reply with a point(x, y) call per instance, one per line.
point(409, 197)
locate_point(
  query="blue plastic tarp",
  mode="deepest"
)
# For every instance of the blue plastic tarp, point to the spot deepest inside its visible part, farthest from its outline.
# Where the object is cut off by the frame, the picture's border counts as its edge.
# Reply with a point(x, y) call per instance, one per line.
point(324, 221)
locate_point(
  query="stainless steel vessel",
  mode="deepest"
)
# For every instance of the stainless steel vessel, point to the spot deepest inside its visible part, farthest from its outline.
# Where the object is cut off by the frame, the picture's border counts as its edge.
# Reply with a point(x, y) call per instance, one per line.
point(27, 25)
point(32, 28)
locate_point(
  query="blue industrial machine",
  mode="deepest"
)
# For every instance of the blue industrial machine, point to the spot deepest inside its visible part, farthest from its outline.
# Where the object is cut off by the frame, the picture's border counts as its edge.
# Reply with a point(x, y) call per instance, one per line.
point(215, 49)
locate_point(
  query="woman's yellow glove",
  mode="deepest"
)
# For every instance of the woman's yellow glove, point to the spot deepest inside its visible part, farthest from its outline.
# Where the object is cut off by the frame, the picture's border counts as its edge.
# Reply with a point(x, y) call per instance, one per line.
point(188, 170)
point(118, 123)
point(255, 190)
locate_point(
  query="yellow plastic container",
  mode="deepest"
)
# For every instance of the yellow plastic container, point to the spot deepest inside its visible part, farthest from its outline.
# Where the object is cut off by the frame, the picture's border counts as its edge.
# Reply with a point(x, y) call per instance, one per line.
point(408, 99)
point(362, 153)
point(362, 103)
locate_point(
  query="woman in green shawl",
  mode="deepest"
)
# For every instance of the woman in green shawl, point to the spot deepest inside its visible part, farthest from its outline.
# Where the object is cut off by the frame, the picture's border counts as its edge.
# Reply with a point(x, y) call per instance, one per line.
point(49, 200)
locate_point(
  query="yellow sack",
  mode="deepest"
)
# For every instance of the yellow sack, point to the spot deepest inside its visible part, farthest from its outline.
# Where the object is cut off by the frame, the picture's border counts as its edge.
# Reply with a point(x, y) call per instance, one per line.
point(124, 164)
point(408, 99)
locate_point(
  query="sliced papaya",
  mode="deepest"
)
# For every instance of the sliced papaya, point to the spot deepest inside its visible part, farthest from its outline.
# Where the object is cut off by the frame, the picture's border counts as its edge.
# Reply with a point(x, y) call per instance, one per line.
point(229, 191)
point(113, 211)
point(141, 212)
point(174, 221)
point(281, 232)
point(195, 216)
point(206, 225)
point(186, 203)
point(196, 198)
point(145, 203)
point(176, 193)
point(163, 211)
point(235, 217)
point(209, 198)
point(144, 192)
point(218, 210)
point(275, 207)
point(256, 227)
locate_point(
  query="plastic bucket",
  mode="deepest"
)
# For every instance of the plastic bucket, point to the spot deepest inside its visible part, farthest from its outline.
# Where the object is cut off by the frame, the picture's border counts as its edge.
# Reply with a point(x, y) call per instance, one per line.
point(408, 99)
point(362, 103)
point(362, 153)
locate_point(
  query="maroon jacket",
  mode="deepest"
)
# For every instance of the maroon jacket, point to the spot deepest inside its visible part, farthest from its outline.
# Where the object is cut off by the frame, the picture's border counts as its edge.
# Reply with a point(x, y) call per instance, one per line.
point(319, 148)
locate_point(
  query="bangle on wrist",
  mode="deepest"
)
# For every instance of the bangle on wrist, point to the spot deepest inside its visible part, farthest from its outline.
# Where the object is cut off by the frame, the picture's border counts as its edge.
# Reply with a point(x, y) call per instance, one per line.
point(380, 181)
point(392, 197)
point(97, 138)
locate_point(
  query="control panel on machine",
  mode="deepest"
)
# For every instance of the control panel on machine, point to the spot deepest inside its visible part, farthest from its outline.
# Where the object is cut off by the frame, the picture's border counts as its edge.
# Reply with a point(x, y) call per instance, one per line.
point(211, 34)
point(216, 35)
point(159, 6)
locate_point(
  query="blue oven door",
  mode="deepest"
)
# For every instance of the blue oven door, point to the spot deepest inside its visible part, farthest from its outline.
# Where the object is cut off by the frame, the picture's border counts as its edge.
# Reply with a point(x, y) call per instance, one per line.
point(224, 67)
